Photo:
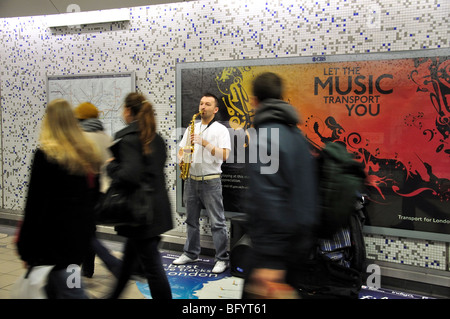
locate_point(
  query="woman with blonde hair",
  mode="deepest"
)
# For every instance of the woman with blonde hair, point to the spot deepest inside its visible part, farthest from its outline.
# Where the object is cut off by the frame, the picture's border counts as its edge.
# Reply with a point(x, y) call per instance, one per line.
point(58, 220)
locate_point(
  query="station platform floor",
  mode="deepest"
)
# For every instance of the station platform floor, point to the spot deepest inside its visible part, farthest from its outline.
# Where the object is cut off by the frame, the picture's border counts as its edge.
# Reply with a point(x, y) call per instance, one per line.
point(181, 278)
point(97, 287)
point(190, 282)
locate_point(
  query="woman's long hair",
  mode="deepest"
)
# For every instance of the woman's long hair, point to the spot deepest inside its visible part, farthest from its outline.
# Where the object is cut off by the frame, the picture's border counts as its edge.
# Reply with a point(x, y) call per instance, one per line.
point(143, 112)
point(63, 141)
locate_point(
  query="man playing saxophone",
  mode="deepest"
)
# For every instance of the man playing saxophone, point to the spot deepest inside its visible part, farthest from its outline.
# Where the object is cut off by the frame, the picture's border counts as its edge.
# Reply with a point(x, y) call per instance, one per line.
point(209, 144)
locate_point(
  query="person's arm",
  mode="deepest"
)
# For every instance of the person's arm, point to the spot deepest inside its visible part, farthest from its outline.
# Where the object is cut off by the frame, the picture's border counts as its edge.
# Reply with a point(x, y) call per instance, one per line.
point(219, 153)
point(30, 225)
point(182, 145)
point(129, 170)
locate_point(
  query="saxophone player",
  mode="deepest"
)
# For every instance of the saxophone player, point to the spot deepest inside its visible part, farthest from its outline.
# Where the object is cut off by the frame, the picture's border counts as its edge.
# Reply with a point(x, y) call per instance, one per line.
point(209, 146)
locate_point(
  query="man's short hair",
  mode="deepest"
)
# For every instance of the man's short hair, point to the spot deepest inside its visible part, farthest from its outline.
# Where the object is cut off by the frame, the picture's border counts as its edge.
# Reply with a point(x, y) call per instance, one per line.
point(207, 94)
point(268, 85)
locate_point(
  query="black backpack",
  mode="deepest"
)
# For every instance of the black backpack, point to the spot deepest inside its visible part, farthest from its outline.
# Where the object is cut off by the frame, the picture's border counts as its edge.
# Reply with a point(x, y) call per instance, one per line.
point(336, 268)
point(338, 260)
point(340, 180)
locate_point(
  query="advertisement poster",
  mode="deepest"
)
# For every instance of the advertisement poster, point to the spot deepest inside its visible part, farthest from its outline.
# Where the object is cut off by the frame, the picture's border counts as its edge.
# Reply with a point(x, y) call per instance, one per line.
point(196, 281)
point(391, 110)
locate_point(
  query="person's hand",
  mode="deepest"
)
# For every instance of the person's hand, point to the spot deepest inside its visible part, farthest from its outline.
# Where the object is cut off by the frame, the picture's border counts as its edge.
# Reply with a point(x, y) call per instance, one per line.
point(196, 139)
point(267, 283)
point(265, 274)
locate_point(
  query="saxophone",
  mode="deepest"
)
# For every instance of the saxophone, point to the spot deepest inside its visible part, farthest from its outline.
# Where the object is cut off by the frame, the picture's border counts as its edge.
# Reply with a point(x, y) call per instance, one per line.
point(188, 150)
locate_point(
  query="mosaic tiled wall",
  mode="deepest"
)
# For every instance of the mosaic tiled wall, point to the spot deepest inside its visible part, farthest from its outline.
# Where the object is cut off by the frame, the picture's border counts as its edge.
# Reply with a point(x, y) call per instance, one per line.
point(416, 252)
point(158, 37)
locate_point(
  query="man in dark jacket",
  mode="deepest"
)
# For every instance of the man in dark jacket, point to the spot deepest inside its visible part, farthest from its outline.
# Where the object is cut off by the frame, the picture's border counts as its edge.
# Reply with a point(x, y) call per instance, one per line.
point(281, 201)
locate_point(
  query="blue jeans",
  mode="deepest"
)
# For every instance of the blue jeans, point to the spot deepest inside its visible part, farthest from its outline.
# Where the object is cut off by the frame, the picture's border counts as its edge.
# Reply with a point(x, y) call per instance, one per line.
point(208, 194)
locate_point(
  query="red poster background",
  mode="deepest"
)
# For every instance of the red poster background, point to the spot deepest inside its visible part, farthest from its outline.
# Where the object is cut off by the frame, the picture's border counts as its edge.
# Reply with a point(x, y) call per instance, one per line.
point(393, 115)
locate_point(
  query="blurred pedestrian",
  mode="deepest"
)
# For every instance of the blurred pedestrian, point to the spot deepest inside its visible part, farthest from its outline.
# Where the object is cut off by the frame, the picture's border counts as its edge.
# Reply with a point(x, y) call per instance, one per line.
point(88, 117)
point(141, 156)
point(58, 218)
point(281, 203)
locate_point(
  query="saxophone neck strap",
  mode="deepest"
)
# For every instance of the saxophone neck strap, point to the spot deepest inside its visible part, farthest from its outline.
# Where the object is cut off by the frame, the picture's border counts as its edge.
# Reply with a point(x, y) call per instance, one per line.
point(209, 124)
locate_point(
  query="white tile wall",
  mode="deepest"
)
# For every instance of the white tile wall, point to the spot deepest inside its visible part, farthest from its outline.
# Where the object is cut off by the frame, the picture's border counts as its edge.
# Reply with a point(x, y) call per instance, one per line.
point(158, 37)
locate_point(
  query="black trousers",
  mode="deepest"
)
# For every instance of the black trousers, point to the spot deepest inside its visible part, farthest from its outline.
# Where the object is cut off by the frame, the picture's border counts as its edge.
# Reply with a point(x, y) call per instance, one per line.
point(144, 251)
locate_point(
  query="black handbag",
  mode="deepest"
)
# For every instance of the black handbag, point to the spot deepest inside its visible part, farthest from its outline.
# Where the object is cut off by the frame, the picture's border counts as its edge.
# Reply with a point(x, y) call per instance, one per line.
point(120, 206)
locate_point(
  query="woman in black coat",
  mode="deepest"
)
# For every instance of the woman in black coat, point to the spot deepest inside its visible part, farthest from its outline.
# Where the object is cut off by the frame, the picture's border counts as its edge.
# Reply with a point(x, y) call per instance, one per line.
point(140, 155)
point(58, 220)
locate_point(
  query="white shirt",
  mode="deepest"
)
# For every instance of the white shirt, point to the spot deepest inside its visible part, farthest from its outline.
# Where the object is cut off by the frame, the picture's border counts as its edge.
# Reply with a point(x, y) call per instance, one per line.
point(203, 162)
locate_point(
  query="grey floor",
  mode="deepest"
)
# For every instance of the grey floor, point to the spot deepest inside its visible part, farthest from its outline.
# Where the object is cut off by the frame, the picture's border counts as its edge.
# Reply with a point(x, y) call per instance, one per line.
point(97, 287)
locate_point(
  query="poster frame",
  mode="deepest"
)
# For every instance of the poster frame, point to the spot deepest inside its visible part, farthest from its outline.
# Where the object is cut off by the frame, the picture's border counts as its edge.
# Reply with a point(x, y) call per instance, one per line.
point(391, 55)
point(131, 74)
point(88, 76)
